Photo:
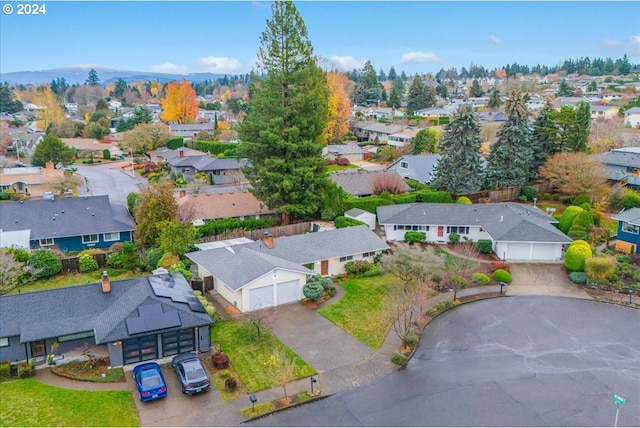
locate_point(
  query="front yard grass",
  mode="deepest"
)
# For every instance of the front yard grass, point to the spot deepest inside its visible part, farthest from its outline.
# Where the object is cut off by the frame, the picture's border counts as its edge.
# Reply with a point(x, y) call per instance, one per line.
point(27, 402)
point(361, 312)
point(248, 354)
point(70, 279)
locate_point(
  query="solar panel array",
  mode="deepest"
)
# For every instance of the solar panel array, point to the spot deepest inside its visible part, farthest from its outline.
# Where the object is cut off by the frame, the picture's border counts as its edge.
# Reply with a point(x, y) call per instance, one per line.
point(152, 318)
point(177, 289)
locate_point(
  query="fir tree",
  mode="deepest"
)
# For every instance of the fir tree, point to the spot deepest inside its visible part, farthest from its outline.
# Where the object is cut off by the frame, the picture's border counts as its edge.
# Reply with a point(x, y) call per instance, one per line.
point(93, 79)
point(495, 101)
point(579, 136)
point(476, 89)
point(544, 138)
point(417, 97)
point(394, 99)
point(510, 160)
point(392, 73)
point(287, 114)
point(564, 90)
point(459, 170)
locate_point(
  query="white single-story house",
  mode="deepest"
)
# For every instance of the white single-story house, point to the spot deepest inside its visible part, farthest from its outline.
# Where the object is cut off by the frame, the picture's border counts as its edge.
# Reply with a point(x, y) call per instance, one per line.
point(272, 271)
point(517, 232)
point(351, 151)
point(632, 117)
point(363, 216)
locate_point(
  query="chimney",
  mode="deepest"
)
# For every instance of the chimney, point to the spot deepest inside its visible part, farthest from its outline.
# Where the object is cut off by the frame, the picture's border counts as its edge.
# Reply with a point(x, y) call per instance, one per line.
point(183, 193)
point(106, 283)
point(181, 153)
point(49, 165)
point(268, 239)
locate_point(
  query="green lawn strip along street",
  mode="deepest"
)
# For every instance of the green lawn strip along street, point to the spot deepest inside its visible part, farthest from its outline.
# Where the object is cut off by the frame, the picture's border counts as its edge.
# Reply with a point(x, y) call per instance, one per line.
point(248, 354)
point(27, 402)
point(361, 312)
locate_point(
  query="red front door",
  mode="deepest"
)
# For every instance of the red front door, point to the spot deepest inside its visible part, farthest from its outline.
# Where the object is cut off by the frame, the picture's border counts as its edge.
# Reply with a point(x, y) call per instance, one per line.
point(440, 231)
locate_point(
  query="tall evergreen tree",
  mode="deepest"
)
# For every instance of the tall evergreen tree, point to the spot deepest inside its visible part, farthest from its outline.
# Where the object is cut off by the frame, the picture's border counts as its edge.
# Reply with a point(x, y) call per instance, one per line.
point(381, 76)
point(394, 99)
point(510, 159)
point(368, 78)
point(564, 90)
point(8, 101)
point(398, 83)
point(392, 73)
point(544, 138)
point(417, 97)
point(93, 79)
point(495, 101)
point(578, 140)
point(287, 114)
point(476, 89)
point(459, 170)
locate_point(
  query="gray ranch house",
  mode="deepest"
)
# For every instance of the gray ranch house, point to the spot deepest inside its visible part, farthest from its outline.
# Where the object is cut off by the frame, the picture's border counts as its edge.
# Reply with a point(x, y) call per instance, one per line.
point(272, 271)
point(135, 320)
point(517, 232)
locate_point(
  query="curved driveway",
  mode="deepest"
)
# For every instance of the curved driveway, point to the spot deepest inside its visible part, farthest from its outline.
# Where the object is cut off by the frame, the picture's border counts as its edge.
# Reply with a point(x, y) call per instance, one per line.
point(109, 179)
point(515, 361)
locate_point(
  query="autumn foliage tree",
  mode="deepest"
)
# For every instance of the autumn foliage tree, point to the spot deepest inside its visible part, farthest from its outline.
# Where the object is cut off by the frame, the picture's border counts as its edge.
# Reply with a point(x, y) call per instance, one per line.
point(179, 104)
point(339, 108)
point(49, 110)
point(575, 174)
point(157, 205)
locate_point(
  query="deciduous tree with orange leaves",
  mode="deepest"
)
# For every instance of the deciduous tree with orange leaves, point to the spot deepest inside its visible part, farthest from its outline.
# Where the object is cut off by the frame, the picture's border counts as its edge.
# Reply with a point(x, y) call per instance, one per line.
point(339, 108)
point(49, 110)
point(180, 104)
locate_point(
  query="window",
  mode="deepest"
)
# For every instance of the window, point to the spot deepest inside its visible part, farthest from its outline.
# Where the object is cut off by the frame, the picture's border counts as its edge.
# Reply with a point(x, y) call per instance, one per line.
point(630, 228)
point(346, 258)
point(46, 242)
point(369, 254)
point(404, 165)
point(112, 236)
point(76, 336)
point(88, 239)
point(4, 342)
point(460, 230)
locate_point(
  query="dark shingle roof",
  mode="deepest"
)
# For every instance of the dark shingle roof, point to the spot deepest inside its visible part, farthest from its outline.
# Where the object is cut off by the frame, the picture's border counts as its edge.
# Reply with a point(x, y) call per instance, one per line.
point(360, 182)
point(629, 156)
point(63, 217)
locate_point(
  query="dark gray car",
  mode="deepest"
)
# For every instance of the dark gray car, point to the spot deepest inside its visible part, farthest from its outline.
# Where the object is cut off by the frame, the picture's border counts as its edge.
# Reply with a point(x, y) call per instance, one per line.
point(191, 373)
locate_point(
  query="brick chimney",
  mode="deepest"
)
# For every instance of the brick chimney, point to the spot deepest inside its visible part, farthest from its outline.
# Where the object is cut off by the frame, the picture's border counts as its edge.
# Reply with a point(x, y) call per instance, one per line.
point(268, 239)
point(106, 282)
point(183, 193)
point(181, 153)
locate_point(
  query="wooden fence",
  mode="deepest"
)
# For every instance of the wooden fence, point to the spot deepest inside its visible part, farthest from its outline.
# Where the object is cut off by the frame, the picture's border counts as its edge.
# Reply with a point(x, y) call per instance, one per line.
point(276, 231)
point(72, 264)
point(506, 194)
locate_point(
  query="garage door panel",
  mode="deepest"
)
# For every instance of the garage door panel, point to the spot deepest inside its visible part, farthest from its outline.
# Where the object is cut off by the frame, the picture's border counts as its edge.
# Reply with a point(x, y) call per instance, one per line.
point(519, 251)
point(288, 292)
point(261, 297)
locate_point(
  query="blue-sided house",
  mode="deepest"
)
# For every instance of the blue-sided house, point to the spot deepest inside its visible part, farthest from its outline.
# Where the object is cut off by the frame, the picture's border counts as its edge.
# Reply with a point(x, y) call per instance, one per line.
point(628, 238)
point(70, 224)
point(133, 320)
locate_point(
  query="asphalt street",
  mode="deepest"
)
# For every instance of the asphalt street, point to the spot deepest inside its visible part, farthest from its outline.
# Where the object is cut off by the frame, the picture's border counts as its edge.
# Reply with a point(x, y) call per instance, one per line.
point(516, 361)
point(108, 179)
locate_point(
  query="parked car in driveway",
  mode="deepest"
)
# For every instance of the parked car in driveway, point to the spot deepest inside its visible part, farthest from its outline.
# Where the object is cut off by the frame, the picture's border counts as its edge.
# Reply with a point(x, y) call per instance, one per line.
point(191, 373)
point(150, 381)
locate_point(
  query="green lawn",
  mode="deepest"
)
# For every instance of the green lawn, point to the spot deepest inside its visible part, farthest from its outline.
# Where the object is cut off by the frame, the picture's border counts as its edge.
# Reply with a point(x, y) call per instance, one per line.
point(334, 168)
point(361, 311)
point(28, 402)
point(67, 280)
point(248, 354)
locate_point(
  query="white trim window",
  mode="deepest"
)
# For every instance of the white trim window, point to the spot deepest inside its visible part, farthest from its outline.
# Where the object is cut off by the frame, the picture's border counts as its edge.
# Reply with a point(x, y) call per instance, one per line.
point(369, 254)
point(111, 236)
point(90, 239)
point(46, 242)
point(460, 230)
point(404, 165)
point(630, 228)
point(346, 258)
point(4, 342)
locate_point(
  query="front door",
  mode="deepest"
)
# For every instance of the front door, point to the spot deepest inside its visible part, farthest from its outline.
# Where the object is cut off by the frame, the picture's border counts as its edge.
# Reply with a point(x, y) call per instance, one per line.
point(440, 231)
point(38, 349)
point(324, 268)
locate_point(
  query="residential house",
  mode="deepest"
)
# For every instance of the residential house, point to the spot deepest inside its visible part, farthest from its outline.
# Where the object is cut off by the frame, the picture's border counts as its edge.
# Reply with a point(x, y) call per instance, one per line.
point(272, 272)
point(374, 131)
point(489, 116)
point(213, 206)
point(416, 167)
point(34, 181)
point(218, 170)
point(403, 137)
point(164, 154)
point(136, 320)
point(610, 97)
point(517, 232)
point(623, 165)
point(23, 142)
point(69, 224)
point(632, 117)
point(189, 131)
point(628, 236)
point(361, 182)
point(386, 113)
point(89, 147)
point(603, 111)
point(350, 151)
point(364, 216)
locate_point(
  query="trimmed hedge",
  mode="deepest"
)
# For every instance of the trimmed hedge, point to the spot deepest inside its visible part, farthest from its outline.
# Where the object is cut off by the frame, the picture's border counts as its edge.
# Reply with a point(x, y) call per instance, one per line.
point(480, 278)
point(215, 227)
point(413, 236)
point(175, 143)
point(566, 219)
point(484, 246)
point(502, 275)
point(584, 219)
point(357, 267)
point(214, 147)
point(341, 222)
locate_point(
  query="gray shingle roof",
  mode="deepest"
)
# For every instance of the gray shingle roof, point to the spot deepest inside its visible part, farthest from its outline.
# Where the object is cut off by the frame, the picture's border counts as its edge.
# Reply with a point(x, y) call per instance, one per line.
point(64, 217)
point(422, 165)
point(83, 308)
point(503, 221)
point(355, 212)
point(359, 182)
point(631, 215)
point(622, 157)
point(345, 149)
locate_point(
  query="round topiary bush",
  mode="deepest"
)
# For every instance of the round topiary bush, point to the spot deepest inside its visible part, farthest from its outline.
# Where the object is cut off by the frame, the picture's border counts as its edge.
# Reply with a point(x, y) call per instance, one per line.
point(575, 257)
point(566, 219)
point(583, 219)
point(577, 232)
point(313, 290)
point(578, 277)
point(480, 278)
point(463, 200)
point(502, 275)
point(580, 242)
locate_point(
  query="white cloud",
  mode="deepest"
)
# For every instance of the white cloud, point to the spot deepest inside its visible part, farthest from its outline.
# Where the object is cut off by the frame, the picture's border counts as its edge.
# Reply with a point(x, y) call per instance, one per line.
point(610, 43)
point(169, 67)
point(221, 65)
point(419, 58)
point(346, 63)
point(634, 46)
point(494, 39)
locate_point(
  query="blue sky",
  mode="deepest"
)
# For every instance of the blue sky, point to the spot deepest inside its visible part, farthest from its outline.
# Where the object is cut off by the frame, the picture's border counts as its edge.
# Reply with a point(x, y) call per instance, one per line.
point(223, 37)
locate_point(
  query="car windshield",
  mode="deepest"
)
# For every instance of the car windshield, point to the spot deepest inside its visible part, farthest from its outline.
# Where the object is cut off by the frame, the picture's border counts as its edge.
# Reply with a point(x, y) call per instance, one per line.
point(195, 373)
point(151, 381)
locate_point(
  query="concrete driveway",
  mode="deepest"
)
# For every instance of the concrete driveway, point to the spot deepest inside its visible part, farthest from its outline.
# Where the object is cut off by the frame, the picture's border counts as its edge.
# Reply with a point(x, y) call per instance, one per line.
point(542, 279)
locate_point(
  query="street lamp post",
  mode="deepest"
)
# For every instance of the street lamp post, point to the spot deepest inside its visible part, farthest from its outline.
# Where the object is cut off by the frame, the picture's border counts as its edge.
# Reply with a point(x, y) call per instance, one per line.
point(313, 380)
point(630, 294)
point(253, 399)
point(502, 284)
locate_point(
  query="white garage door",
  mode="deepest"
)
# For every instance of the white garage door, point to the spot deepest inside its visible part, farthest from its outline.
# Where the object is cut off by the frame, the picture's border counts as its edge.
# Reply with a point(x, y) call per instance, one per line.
point(288, 292)
point(261, 297)
point(518, 251)
point(546, 251)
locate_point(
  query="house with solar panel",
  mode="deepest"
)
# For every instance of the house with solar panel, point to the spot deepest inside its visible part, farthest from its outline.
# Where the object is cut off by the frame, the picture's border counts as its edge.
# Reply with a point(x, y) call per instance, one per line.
point(131, 320)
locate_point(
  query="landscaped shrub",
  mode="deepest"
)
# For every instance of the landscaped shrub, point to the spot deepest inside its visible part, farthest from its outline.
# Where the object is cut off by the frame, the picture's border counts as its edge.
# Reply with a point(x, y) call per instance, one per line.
point(566, 219)
point(357, 267)
point(480, 278)
point(495, 265)
point(528, 192)
point(313, 290)
point(216, 227)
point(87, 263)
point(584, 219)
point(25, 370)
point(439, 308)
point(342, 161)
point(168, 260)
point(463, 200)
point(628, 198)
point(580, 242)
point(555, 197)
point(502, 275)
point(437, 279)
point(546, 196)
point(230, 384)
point(586, 206)
point(404, 198)
point(180, 268)
point(214, 147)
point(439, 197)
point(575, 257)
point(175, 143)
point(578, 277)
point(130, 256)
point(577, 232)
point(582, 199)
point(5, 370)
point(458, 281)
point(400, 359)
point(114, 260)
point(454, 238)
point(342, 222)
point(19, 254)
point(413, 236)
point(106, 154)
point(600, 267)
point(416, 185)
point(484, 246)
point(46, 262)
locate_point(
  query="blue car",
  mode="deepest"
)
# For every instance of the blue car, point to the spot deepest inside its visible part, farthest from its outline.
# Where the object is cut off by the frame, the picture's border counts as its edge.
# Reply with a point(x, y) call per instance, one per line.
point(150, 381)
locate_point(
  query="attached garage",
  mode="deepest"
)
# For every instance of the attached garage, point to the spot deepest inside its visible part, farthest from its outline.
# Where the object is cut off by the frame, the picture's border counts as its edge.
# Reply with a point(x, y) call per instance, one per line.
point(518, 251)
point(288, 292)
point(261, 297)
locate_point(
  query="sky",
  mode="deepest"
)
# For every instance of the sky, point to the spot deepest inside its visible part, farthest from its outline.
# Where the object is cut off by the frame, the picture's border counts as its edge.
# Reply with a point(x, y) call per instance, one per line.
point(223, 37)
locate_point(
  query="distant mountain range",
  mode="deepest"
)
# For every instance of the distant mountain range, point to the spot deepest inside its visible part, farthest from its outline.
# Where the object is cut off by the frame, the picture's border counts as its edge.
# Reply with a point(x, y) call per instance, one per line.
point(79, 74)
